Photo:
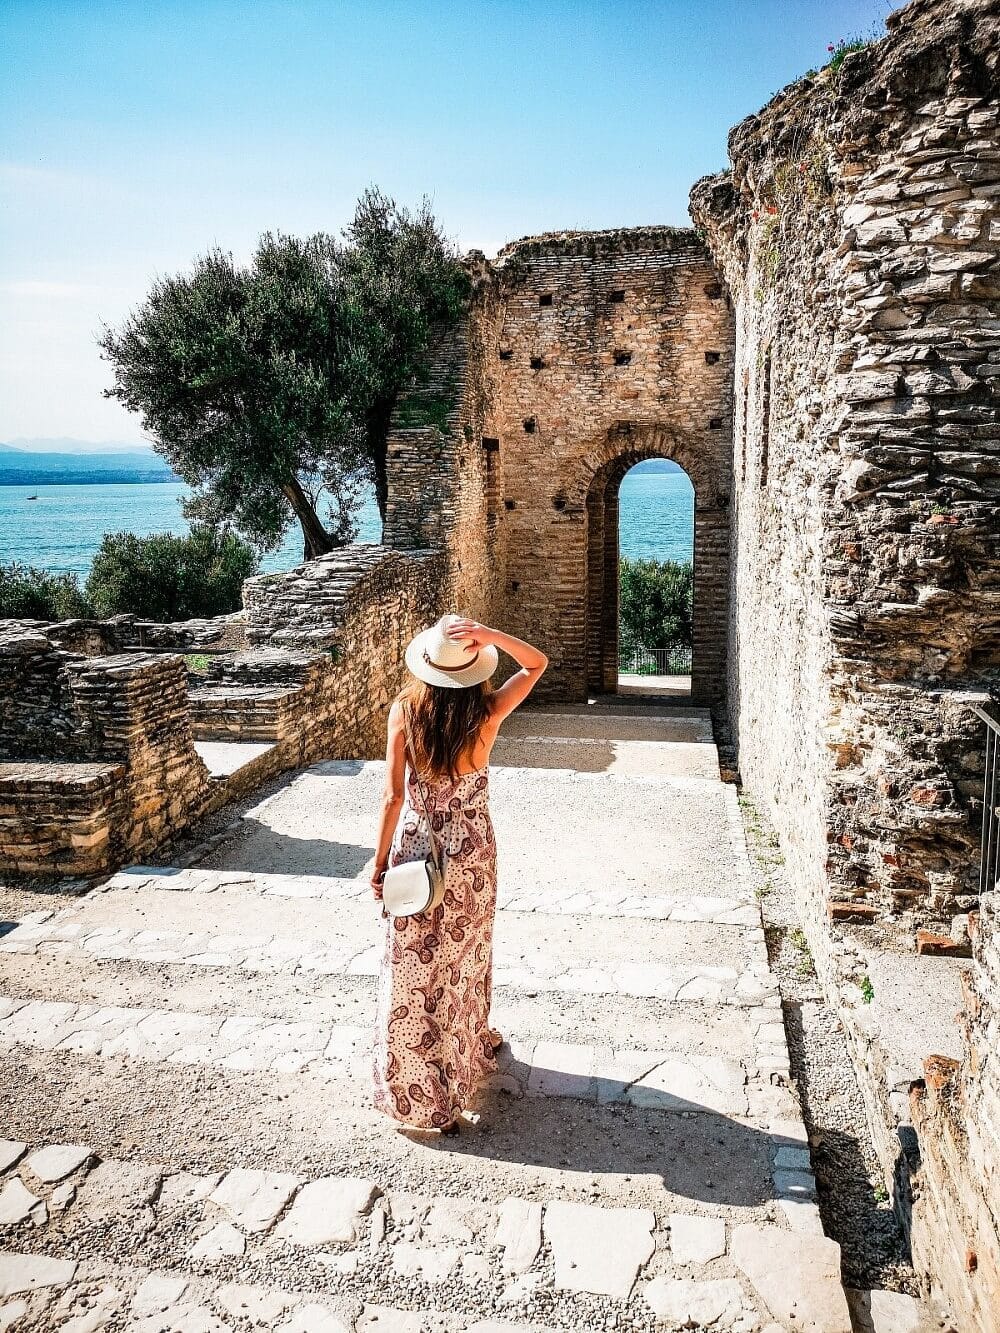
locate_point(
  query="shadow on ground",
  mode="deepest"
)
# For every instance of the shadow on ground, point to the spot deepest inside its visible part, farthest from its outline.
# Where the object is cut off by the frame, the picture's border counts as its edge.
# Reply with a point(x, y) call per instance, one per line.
point(265, 850)
point(698, 1153)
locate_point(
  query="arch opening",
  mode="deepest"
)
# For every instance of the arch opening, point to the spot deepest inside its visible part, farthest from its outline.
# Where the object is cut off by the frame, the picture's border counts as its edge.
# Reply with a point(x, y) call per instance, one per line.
point(687, 663)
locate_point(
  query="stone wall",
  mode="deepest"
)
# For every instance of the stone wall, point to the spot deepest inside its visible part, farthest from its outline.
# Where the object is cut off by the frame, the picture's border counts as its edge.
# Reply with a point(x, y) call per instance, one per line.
point(858, 236)
point(442, 479)
point(611, 347)
point(956, 1111)
point(361, 605)
point(126, 633)
point(97, 756)
point(858, 233)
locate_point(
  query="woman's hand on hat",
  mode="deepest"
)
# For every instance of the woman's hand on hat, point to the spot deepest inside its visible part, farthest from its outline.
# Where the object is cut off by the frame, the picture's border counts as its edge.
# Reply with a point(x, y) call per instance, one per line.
point(469, 632)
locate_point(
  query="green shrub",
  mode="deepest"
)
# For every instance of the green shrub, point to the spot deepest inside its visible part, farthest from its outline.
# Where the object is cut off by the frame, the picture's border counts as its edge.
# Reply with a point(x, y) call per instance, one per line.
point(655, 602)
point(36, 594)
point(163, 577)
point(839, 51)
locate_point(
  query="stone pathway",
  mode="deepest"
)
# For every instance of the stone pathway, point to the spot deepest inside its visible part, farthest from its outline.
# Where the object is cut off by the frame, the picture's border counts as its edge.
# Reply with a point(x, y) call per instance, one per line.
point(191, 1145)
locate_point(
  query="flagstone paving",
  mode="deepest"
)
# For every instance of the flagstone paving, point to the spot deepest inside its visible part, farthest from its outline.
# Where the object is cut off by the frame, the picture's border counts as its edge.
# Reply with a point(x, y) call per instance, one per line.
point(191, 1144)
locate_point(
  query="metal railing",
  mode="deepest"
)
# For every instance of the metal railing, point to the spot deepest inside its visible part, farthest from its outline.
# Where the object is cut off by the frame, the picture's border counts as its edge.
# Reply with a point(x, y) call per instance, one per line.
point(989, 868)
point(636, 659)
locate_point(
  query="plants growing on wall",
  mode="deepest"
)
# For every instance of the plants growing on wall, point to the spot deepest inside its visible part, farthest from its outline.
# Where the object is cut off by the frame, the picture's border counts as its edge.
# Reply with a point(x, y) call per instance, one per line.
point(269, 387)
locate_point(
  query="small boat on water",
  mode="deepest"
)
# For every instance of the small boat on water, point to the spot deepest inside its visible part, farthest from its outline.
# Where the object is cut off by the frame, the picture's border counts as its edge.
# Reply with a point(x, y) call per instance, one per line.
point(31, 497)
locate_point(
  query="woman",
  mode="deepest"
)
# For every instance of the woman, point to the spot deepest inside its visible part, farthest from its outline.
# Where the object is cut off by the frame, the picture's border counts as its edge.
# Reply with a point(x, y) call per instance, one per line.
point(433, 1042)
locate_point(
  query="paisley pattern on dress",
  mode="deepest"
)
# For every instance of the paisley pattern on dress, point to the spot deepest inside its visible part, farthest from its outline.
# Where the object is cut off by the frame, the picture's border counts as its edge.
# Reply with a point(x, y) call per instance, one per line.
point(433, 1043)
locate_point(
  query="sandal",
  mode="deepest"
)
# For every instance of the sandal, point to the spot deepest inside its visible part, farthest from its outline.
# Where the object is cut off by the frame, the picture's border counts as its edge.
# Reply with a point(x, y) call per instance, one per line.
point(496, 1039)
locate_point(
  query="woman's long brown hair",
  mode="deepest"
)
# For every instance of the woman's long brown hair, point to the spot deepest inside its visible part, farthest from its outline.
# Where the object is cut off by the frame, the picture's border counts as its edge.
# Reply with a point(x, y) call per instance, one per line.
point(445, 723)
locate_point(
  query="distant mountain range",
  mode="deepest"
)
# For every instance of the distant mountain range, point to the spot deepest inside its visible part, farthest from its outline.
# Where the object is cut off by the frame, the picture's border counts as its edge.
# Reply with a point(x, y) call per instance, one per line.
point(68, 462)
point(657, 465)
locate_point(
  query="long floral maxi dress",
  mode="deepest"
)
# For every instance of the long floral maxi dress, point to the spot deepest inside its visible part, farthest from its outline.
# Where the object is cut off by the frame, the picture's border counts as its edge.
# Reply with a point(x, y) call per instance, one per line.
point(432, 1039)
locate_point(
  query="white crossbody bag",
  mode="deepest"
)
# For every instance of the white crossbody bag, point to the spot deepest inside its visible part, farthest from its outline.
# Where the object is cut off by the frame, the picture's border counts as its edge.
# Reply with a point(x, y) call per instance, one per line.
point(413, 887)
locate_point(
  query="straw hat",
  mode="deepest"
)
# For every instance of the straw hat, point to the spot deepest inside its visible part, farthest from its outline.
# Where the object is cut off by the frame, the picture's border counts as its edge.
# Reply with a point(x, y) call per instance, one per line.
point(438, 660)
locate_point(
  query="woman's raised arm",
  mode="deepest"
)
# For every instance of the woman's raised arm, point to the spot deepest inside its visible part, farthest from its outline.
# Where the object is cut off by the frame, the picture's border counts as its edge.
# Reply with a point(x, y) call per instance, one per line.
point(530, 659)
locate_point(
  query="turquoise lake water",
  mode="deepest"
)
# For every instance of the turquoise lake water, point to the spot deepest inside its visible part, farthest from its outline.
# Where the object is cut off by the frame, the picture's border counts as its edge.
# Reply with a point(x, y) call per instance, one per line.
point(62, 529)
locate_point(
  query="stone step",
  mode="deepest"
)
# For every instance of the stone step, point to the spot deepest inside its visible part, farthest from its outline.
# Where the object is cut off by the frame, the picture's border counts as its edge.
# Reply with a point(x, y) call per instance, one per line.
point(83, 1295)
point(734, 911)
point(666, 728)
point(639, 835)
point(701, 1029)
point(619, 744)
point(532, 951)
point(196, 1115)
point(635, 758)
point(664, 1079)
point(623, 705)
point(343, 1238)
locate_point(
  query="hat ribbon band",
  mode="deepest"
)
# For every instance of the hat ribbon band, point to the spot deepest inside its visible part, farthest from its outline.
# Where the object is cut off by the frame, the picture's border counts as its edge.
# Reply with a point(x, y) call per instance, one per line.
point(437, 667)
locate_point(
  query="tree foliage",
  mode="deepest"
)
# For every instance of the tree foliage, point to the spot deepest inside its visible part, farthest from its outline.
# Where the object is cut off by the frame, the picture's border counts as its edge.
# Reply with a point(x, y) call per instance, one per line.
point(655, 603)
point(163, 577)
point(36, 594)
point(269, 388)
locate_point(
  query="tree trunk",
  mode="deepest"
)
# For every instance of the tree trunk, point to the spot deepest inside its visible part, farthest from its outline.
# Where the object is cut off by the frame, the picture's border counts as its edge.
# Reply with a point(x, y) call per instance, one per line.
point(378, 434)
point(316, 539)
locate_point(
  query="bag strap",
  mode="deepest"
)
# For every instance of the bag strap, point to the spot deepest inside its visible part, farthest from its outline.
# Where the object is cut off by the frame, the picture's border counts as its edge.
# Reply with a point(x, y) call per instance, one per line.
point(411, 756)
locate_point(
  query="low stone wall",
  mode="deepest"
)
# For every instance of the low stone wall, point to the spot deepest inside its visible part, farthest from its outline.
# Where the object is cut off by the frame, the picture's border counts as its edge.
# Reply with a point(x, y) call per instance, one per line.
point(956, 1112)
point(99, 761)
point(361, 605)
point(60, 818)
point(97, 638)
point(99, 749)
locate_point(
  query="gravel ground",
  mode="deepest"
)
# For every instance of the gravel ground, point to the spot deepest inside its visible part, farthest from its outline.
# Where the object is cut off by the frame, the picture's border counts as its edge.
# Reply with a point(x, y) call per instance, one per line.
point(853, 1200)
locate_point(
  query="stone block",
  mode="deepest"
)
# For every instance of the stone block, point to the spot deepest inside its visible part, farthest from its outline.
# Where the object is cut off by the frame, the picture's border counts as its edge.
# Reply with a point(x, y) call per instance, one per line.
point(328, 1212)
point(696, 1240)
point(797, 1276)
point(598, 1250)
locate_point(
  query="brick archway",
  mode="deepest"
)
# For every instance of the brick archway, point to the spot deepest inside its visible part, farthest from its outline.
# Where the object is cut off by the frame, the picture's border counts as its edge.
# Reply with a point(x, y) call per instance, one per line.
point(596, 492)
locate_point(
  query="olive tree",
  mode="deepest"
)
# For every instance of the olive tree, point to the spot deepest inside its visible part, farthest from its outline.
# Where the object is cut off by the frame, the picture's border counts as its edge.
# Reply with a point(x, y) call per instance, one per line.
point(269, 387)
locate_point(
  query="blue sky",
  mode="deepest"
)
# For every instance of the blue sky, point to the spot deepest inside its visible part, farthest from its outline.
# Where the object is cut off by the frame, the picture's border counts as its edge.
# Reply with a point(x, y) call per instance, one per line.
point(134, 135)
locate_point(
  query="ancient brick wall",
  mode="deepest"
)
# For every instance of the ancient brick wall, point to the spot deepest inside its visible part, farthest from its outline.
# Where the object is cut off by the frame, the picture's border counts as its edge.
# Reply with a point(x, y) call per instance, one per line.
point(582, 354)
point(858, 233)
point(611, 347)
point(442, 480)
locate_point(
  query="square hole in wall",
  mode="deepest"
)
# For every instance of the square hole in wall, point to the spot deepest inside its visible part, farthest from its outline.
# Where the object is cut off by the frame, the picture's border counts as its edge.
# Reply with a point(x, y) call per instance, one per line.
point(509, 505)
point(616, 297)
point(713, 291)
point(537, 363)
point(559, 502)
point(530, 425)
point(545, 298)
point(506, 354)
point(514, 585)
point(715, 423)
point(713, 358)
point(622, 358)
point(491, 446)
